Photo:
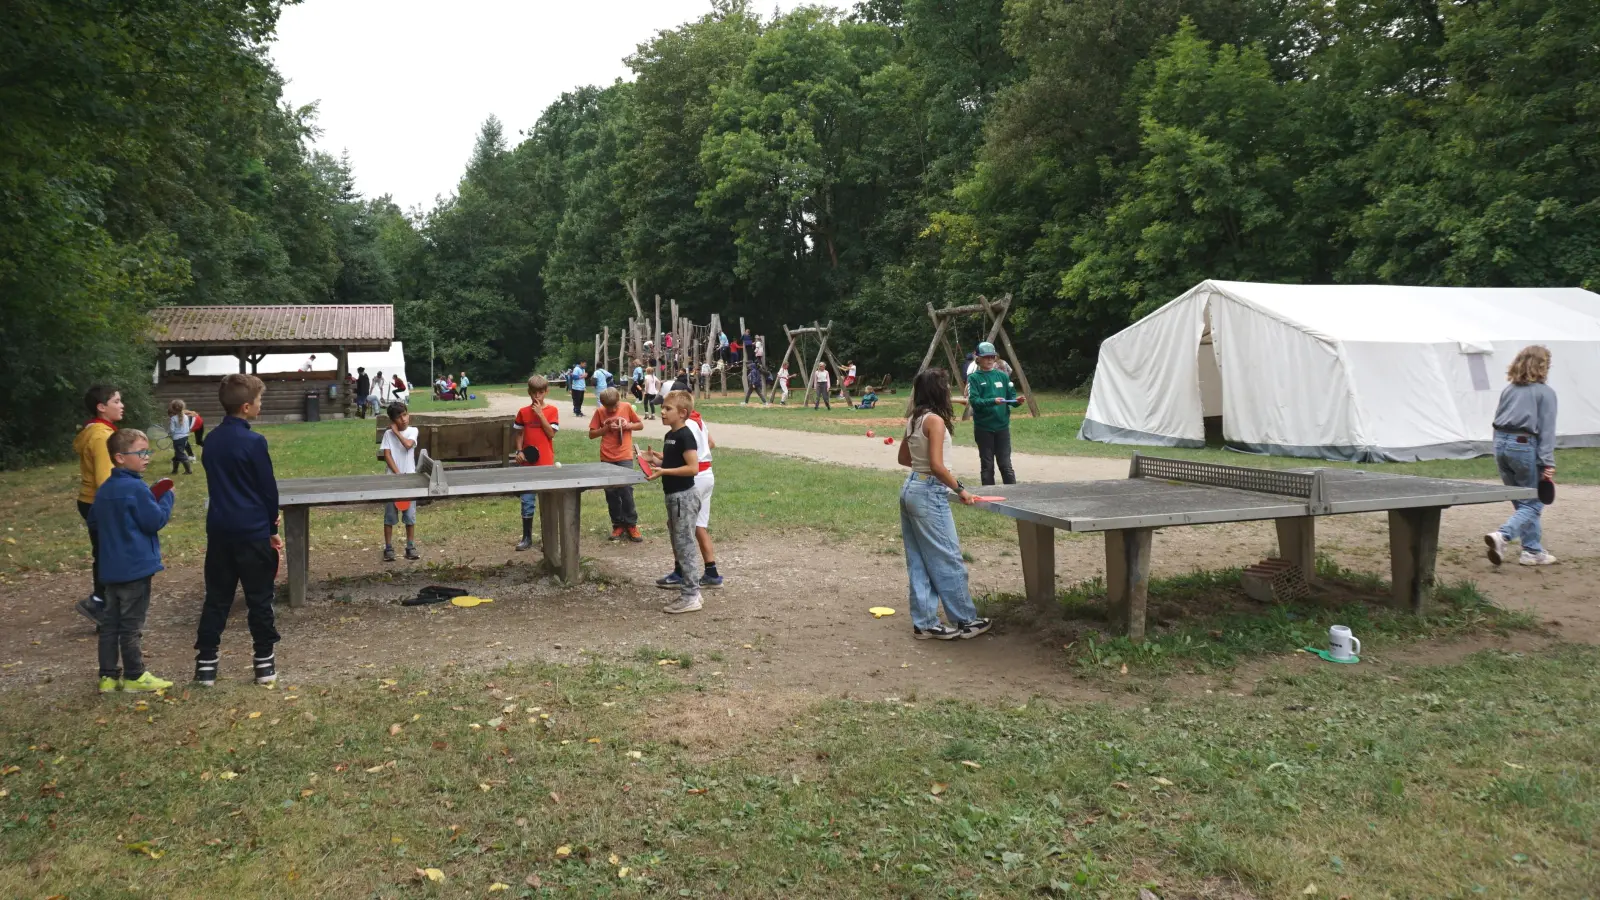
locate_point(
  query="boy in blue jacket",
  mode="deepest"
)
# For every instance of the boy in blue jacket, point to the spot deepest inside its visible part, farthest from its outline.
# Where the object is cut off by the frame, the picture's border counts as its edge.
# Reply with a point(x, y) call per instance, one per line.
point(129, 520)
point(242, 540)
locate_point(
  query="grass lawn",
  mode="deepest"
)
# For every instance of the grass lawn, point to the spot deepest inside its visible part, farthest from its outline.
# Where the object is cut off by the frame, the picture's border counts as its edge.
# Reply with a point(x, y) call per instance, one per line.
point(1056, 432)
point(1475, 779)
point(757, 491)
point(422, 401)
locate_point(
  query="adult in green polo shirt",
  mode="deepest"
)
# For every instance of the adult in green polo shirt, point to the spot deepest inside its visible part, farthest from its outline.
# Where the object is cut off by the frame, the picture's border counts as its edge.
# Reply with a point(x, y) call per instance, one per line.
point(991, 395)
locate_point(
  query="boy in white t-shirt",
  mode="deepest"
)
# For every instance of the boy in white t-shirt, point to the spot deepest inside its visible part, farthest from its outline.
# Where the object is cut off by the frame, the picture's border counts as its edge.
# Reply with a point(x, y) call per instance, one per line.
point(399, 454)
point(705, 482)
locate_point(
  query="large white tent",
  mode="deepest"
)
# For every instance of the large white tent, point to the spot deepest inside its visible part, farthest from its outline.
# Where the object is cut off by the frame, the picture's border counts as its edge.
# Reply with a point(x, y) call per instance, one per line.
point(1350, 372)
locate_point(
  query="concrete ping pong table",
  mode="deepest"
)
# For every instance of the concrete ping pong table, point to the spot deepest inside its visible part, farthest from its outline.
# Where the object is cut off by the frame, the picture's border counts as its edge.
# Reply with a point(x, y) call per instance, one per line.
point(1165, 492)
point(559, 490)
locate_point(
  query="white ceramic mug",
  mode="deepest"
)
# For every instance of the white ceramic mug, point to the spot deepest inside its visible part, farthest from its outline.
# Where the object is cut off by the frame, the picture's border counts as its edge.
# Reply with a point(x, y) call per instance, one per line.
point(1342, 644)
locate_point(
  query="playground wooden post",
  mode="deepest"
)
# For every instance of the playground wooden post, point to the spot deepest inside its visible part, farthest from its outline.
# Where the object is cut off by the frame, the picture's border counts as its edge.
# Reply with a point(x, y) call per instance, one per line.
point(994, 314)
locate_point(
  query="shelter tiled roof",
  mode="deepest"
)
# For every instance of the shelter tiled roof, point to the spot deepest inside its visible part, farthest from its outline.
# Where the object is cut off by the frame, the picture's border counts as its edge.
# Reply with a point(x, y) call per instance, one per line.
point(284, 327)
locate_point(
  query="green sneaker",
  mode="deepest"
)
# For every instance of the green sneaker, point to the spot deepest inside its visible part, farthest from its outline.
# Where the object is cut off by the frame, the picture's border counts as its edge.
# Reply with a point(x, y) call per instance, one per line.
point(145, 683)
point(108, 685)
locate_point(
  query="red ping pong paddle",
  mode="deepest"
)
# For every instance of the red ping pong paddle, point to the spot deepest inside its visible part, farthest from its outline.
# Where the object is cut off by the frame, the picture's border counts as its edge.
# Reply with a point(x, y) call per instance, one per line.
point(161, 487)
point(987, 499)
point(644, 464)
point(402, 505)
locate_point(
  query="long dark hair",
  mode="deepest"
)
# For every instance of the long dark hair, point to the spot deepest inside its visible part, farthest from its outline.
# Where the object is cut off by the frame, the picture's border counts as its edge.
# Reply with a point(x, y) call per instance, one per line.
point(930, 393)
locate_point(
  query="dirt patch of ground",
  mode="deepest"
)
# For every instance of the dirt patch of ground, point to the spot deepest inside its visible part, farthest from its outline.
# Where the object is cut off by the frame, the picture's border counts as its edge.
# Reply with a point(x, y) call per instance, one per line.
point(791, 621)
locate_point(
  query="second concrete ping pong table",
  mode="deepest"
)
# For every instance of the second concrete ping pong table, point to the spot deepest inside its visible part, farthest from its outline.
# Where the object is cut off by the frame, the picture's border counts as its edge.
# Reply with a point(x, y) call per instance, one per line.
point(1166, 492)
point(559, 489)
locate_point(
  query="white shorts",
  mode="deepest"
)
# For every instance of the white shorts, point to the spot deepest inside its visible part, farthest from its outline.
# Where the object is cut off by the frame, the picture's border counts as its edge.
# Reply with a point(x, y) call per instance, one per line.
point(703, 485)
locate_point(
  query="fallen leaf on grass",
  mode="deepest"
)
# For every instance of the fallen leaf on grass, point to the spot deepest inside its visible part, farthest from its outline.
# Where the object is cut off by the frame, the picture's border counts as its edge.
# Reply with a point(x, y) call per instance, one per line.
point(495, 722)
point(613, 859)
point(666, 662)
point(1310, 891)
point(1122, 784)
point(381, 766)
point(227, 776)
point(307, 792)
point(593, 740)
point(970, 764)
point(430, 874)
point(1124, 668)
point(635, 754)
point(555, 797)
point(695, 791)
point(938, 788)
point(563, 851)
point(389, 682)
point(254, 715)
point(499, 886)
point(145, 848)
point(520, 822)
point(10, 770)
point(483, 786)
point(214, 842)
point(623, 872)
point(394, 729)
point(1163, 781)
point(533, 881)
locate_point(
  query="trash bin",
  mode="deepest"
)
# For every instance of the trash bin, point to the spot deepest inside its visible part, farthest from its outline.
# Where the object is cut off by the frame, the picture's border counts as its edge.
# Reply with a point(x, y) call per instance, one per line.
point(313, 408)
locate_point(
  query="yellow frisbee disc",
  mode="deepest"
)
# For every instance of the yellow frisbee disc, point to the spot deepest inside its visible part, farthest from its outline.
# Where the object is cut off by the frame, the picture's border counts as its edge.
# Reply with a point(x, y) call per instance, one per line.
point(879, 612)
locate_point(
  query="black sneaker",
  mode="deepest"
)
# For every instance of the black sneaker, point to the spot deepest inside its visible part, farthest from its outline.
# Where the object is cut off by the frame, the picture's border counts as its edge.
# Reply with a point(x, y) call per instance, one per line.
point(388, 554)
point(205, 672)
point(939, 632)
point(266, 669)
point(974, 628)
point(411, 552)
point(92, 608)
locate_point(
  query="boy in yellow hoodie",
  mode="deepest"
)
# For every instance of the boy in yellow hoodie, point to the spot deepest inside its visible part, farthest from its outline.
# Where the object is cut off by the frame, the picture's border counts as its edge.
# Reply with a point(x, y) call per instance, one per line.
point(103, 403)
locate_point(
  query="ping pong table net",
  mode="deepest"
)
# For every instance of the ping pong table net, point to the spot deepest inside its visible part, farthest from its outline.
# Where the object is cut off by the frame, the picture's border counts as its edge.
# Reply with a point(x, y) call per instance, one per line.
point(1307, 486)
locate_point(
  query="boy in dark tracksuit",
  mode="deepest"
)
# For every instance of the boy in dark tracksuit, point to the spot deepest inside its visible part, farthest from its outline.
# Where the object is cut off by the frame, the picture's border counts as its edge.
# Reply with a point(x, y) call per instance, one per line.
point(242, 540)
point(991, 395)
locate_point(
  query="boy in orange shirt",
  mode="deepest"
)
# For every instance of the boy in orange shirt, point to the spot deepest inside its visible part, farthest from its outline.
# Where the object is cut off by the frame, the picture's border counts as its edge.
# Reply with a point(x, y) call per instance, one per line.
point(103, 403)
point(536, 426)
point(614, 424)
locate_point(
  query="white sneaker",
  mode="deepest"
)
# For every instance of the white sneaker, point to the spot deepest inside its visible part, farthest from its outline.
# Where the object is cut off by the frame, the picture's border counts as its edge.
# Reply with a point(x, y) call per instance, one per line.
point(682, 605)
point(1497, 546)
point(1542, 558)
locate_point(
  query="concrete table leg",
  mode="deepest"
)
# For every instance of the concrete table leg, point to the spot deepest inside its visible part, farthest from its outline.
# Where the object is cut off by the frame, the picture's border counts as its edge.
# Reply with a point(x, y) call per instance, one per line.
point(571, 514)
point(1413, 547)
point(1128, 578)
point(1297, 544)
point(1038, 543)
point(550, 530)
point(297, 549)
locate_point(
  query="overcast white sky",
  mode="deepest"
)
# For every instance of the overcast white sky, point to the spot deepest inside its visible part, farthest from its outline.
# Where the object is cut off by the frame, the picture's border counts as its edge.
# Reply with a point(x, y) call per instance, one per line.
point(405, 84)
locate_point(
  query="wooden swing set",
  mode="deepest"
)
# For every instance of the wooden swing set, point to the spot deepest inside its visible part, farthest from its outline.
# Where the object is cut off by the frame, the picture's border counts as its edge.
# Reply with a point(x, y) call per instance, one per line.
point(945, 335)
point(798, 339)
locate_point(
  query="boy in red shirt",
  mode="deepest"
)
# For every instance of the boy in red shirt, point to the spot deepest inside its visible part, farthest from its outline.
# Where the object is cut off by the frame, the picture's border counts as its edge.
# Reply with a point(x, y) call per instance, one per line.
point(536, 426)
point(614, 424)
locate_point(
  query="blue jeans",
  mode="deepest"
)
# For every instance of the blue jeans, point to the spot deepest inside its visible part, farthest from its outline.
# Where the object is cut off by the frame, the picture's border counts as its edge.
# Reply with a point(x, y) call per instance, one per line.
point(530, 504)
point(1519, 467)
point(933, 554)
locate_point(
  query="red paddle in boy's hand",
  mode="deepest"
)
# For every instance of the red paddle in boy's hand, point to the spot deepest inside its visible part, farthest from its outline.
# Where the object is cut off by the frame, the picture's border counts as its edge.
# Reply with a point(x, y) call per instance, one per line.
point(161, 487)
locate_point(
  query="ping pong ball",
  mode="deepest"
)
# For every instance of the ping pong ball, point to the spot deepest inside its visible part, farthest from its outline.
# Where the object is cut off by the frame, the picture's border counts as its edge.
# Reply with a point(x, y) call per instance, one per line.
point(870, 433)
point(558, 465)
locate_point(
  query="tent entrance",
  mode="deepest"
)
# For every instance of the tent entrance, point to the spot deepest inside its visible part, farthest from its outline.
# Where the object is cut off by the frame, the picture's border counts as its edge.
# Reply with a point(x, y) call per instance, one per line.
point(1210, 387)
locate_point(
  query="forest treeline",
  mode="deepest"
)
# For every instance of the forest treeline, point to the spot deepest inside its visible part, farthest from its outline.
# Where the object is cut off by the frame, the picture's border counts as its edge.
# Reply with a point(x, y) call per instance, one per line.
point(1093, 158)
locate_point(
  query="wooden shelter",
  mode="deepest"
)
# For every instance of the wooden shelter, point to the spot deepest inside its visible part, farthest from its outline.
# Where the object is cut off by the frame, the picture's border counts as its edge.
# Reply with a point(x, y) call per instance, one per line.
point(994, 326)
point(182, 334)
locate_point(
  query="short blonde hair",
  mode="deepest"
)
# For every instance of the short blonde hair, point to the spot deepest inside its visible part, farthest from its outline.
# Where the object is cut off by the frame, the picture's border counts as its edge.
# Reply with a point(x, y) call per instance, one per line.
point(1532, 365)
point(123, 439)
point(681, 399)
point(610, 396)
point(538, 384)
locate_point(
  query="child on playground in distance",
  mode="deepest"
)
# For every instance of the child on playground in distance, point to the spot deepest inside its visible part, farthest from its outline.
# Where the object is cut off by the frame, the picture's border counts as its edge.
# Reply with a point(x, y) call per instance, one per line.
point(928, 531)
point(129, 520)
point(399, 448)
point(820, 381)
point(652, 393)
point(536, 426)
point(103, 403)
point(180, 424)
point(676, 465)
point(614, 424)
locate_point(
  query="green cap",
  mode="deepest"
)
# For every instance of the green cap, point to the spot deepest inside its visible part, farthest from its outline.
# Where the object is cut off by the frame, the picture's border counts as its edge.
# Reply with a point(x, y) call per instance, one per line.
point(986, 349)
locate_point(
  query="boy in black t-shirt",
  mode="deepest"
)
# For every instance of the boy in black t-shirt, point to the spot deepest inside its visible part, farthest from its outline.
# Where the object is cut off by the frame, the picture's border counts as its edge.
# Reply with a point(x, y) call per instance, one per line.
point(676, 465)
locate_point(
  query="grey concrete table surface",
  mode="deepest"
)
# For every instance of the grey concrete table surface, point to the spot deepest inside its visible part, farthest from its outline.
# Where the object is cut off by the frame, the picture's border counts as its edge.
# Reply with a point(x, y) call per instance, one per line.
point(1129, 510)
point(560, 505)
